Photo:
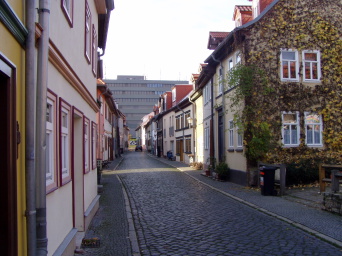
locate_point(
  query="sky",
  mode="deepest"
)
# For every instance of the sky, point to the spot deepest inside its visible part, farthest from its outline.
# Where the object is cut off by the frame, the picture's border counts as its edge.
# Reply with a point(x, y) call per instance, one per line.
point(163, 39)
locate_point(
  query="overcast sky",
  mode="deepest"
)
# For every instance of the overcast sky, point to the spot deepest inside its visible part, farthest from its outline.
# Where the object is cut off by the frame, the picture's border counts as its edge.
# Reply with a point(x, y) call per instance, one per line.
point(163, 39)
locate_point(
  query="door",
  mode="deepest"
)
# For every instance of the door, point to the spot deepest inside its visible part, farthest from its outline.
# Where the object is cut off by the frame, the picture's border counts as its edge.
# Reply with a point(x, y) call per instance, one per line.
point(221, 153)
point(181, 150)
point(8, 156)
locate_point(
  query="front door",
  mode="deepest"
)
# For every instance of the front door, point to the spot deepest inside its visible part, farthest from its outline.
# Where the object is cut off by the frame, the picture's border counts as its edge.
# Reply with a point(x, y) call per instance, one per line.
point(8, 156)
point(221, 153)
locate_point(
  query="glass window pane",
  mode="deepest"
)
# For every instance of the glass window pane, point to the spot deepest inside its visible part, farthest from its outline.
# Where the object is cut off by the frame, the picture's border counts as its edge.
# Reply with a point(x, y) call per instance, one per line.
point(293, 69)
point(310, 56)
point(294, 138)
point(309, 138)
point(314, 71)
point(312, 119)
point(288, 56)
point(290, 118)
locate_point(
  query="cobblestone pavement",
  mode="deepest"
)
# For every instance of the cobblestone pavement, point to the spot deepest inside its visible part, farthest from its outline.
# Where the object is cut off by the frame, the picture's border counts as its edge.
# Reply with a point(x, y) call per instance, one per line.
point(110, 224)
point(175, 214)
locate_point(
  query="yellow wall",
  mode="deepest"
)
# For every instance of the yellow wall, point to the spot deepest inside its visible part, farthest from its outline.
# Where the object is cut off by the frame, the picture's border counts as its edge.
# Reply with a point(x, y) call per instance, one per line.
point(16, 54)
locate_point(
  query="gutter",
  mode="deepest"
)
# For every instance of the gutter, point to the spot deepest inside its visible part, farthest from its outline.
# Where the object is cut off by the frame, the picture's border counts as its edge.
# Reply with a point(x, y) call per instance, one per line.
point(42, 81)
point(30, 158)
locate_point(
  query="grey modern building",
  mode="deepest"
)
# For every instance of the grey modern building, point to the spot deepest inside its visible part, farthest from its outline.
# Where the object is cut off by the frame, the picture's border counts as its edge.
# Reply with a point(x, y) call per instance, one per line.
point(136, 96)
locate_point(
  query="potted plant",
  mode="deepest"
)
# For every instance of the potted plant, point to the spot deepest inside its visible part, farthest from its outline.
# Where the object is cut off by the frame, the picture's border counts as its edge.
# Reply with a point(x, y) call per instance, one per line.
point(222, 171)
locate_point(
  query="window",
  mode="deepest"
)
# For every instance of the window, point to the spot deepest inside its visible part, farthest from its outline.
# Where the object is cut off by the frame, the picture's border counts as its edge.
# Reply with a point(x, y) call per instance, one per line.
point(290, 128)
point(65, 142)
point(289, 65)
point(238, 58)
point(239, 138)
point(94, 52)
point(231, 133)
point(207, 93)
point(311, 66)
point(313, 129)
point(188, 144)
point(68, 9)
point(93, 144)
point(230, 64)
point(187, 115)
point(50, 169)
point(220, 82)
point(178, 120)
point(206, 137)
point(173, 95)
point(87, 36)
point(86, 145)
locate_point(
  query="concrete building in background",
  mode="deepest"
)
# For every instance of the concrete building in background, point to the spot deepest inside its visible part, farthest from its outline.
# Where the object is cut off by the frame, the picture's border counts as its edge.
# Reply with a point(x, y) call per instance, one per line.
point(136, 96)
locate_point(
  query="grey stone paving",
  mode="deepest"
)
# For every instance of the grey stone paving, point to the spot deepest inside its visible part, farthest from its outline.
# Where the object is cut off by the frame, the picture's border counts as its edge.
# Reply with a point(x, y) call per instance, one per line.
point(177, 215)
point(110, 223)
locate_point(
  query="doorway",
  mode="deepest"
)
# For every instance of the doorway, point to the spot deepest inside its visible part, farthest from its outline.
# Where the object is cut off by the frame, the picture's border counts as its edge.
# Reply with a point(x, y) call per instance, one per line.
point(8, 157)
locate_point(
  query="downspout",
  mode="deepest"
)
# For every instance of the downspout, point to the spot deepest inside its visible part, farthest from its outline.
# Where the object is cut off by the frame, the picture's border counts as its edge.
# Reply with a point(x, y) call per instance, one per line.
point(30, 101)
point(212, 137)
point(42, 80)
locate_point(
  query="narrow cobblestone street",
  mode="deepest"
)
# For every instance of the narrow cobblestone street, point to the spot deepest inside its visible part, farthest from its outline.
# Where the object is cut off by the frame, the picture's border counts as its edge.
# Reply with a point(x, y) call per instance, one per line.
point(176, 215)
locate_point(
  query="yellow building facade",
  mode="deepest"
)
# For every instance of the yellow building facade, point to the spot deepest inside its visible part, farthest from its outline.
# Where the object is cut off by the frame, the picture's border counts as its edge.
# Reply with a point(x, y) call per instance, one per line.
point(12, 135)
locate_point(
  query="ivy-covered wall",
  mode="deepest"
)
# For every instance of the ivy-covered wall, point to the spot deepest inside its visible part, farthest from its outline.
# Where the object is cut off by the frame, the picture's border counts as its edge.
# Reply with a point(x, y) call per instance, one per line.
point(300, 25)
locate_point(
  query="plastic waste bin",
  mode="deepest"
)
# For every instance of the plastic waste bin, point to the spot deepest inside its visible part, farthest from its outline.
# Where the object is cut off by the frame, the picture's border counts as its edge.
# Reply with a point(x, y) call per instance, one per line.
point(267, 174)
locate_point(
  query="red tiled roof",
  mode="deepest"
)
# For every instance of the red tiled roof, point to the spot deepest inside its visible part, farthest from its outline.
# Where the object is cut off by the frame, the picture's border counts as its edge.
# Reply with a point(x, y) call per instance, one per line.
point(218, 34)
point(215, 38)
point(244, 8)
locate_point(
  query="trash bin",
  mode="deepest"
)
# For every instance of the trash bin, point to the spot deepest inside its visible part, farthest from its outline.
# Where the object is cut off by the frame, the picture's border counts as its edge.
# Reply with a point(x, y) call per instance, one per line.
point(267, 174)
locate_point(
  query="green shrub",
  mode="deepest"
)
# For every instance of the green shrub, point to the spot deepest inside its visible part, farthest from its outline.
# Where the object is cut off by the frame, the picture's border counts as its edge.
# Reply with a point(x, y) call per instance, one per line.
point(222, 170)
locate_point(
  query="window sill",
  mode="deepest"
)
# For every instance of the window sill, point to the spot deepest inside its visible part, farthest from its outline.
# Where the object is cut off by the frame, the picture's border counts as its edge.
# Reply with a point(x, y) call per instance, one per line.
point(230, 149)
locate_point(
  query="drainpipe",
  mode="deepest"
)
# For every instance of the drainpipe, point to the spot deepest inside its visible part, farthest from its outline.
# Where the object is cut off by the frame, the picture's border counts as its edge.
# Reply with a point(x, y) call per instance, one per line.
point(42, 79)
point(212, 137)
point(30, 99)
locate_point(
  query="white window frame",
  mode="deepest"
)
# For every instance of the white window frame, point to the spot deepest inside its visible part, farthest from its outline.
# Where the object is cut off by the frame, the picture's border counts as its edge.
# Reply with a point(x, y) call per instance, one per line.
point(86, 145)
point(220, 82)
point(230, 64)
point(231, 133)
point(51, 143)
point(87, 36)
point(318, 62)
point(68, 9)
point(65, 141)
point(238, 58)
point(297, 124)
point(94, 51)
point(206, 137)
point(316, 125)
point(296, 61)
point(173, 94)
point(93, 144)
point(239, 142)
